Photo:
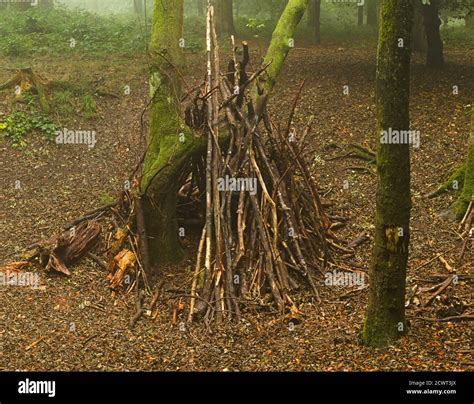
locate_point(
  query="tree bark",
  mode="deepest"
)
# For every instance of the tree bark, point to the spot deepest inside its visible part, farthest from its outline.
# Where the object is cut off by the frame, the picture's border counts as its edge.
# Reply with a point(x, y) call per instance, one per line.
point(166, 154)
point(314, 20)
point(281, 43)
point(419, 35)
point(224, 17)
point(385, 319)
point(432, 22)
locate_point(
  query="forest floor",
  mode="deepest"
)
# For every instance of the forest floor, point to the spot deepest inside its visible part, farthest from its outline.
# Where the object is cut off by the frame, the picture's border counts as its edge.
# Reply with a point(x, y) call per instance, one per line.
point(75, 324)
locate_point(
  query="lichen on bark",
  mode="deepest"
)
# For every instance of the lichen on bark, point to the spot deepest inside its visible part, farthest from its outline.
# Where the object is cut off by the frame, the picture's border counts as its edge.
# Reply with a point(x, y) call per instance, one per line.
point(385, 320)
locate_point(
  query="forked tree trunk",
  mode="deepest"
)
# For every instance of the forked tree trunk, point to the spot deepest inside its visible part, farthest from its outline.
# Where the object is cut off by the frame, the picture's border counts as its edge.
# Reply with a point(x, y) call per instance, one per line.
point(167, 155)
point(385, 319)
point(432, 23)
point(314, 20)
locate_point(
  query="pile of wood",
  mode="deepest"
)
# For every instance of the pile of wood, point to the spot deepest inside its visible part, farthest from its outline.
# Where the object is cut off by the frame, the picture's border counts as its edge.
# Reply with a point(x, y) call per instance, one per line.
point(266, 232)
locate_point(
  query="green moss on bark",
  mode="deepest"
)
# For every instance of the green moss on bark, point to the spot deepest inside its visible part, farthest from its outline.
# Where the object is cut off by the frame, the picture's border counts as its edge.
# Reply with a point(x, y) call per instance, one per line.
point(166, 154)
point(385, 320)
point(281, 42)
point(459, 207)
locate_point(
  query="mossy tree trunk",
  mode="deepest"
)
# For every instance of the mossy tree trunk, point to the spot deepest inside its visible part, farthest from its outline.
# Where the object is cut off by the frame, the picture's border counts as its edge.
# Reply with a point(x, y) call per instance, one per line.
point(432, 23)
point(459, 207)
point(224, 12)
point(169, 140)
point(314, 20)
point(167, 155)
point(281, 43)
point(385, 319)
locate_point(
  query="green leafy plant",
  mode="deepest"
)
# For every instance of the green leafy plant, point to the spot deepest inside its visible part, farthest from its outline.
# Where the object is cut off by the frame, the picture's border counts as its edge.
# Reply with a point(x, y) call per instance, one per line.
point(18, 125)
point(105, 198)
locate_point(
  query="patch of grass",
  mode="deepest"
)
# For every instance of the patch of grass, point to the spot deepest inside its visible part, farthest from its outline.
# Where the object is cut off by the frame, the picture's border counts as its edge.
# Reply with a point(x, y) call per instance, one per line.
point(37, 31)
point(88, 106)
point(63, 102)
point(458, 37)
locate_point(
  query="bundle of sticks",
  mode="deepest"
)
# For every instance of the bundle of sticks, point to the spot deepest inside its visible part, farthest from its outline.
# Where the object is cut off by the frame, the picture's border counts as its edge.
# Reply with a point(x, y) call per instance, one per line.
point(265, 231)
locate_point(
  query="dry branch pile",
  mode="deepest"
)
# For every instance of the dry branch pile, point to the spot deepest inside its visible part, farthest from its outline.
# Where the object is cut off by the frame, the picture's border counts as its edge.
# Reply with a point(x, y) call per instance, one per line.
point(265, 230)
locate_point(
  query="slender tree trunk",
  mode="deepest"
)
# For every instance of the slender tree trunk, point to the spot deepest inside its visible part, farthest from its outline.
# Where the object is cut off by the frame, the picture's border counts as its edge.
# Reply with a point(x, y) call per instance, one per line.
point(470, 20)
point(372, 12)
point(360, 15)
point(432, 22)
point(167, 156)
point(224, 12)
point(386, 308)
point(314, 20)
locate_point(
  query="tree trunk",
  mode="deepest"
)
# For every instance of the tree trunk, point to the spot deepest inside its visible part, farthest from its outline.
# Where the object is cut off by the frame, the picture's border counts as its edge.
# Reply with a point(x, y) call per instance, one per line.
point(385, 319)
point(372, 13)
point(419, 36)
point(314, 20)
point(432, 22)
point(167, 157)
point(469, 21)
point(224, 12)
point(459, 207)
point(281, 43)
point(360, 15)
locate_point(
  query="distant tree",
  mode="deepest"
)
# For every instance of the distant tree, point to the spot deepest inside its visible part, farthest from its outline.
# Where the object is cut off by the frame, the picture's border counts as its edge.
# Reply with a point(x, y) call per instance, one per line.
point(314, 20)
point(372, 12)
point(224, 14)
point(360, 15)
point(138, 7)
point(432, 23)
point(385, 320)
point(419, 36)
